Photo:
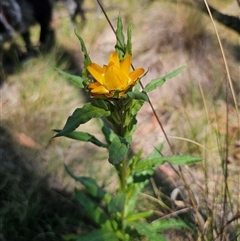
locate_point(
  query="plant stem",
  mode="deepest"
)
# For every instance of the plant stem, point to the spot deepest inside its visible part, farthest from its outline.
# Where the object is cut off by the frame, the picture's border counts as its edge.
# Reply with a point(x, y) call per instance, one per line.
point(121, 169)
point(122, 166)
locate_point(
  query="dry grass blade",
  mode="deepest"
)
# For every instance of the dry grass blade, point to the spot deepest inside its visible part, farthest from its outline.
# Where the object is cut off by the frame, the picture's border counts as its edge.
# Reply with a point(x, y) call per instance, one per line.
point(224, 162)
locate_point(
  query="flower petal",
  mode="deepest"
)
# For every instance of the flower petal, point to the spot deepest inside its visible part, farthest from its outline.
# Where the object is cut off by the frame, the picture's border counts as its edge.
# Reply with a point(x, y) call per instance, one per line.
point(133, 76)
point(126, 64)
point(114, 59)
point(104, 68)
point(94, 85)
point(114, 78)
point(100, 90)
point(96, 71)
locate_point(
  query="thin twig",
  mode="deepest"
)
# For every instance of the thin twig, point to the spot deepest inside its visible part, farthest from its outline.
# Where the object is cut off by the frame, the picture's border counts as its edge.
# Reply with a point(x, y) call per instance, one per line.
point(176, 213)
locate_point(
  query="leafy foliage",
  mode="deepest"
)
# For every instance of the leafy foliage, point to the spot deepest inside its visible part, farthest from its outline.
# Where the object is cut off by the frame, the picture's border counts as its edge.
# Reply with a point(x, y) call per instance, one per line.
point(155, 83)
point(76, 80)
point(120, 45)
point(115, 215)
point(118, 149)
point(81, 116)
point(85, 137)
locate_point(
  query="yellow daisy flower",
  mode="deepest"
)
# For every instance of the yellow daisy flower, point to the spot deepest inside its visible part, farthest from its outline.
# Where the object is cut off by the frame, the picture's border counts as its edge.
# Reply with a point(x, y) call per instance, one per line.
point(115, 76)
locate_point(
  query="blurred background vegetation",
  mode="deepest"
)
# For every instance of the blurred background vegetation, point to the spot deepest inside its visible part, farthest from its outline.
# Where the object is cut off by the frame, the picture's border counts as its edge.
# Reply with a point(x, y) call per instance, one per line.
point(196, 109)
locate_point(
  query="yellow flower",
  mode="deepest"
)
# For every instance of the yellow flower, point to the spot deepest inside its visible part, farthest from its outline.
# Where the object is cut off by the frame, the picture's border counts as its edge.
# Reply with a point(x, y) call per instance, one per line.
point(115, 76)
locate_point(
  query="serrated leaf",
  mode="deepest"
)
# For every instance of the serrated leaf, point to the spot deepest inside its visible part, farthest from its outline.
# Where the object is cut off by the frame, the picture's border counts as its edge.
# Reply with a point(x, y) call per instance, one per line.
point(130, 127)
point(145, 230)
point(136, 106)
point(99, 235)
point(103, 104)
point(76, 80)
point(87, 60)
point(117, 203)
point(148, 165)
point(81, 116)
point(156, 152)
point(162, 225)
point(107, 132)
point(136, 95)
point(139, 216)
point(133, 107)
point(93, 210)
point(134, 160)
point(118, 149)
point(90, 184)
point(137, 85)
point(155, 83)
point(120, 45)
point(133, 191)
point(85, 137)
point(129, 40)
point(143, 175)
point(182, 160)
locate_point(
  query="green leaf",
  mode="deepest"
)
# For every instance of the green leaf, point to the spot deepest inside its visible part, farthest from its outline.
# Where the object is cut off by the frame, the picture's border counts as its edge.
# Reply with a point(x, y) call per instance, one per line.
point(155, 83)
point(148, 165)
point(130, 126)
point(99, 235)
point(137, 95)
point(120, 45)
point(162, 225)
point(93, 210)
point(145, 229)
point(142, 176)
point(117, 150)
point(91, 186)
point(76, 80)
point(138, 86)
point(136, 106)
point(103, 104)
point(108, 133)
point(133, 191)
point(129, 40)
point(87, 60)
point(85, 137)
point(156, 152)
point(81, 116)
point(117, 203)
point(139, 216)
point(182, 160)
point(132, 108)
point(134, 160)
